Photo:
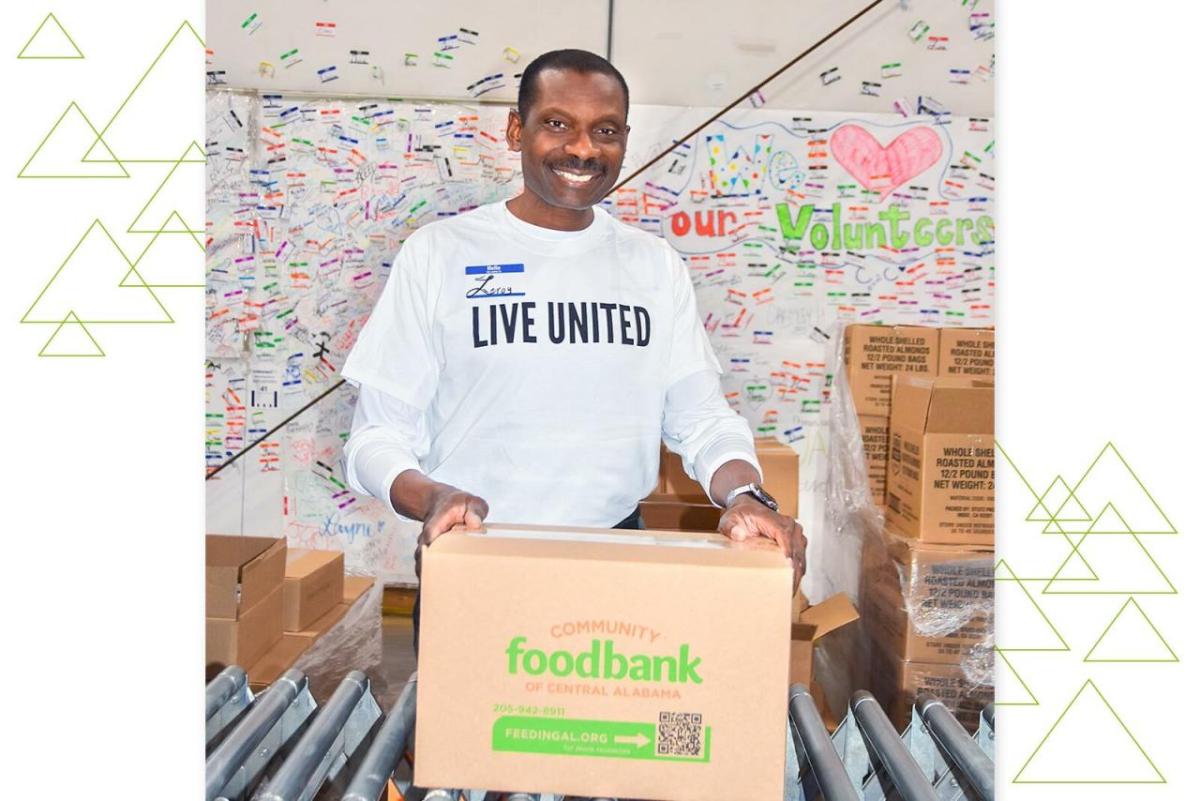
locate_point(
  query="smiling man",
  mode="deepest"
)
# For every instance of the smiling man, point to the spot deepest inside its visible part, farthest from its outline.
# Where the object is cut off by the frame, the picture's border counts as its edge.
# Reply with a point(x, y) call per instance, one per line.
point(526, 357)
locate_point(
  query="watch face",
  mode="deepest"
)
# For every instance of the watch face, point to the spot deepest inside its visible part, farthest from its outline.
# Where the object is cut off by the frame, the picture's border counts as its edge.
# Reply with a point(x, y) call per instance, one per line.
point(766, 498)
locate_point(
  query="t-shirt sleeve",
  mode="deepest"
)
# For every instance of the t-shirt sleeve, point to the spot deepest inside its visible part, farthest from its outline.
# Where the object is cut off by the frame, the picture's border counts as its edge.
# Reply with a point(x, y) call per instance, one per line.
point(691, 352)
point(395, 351)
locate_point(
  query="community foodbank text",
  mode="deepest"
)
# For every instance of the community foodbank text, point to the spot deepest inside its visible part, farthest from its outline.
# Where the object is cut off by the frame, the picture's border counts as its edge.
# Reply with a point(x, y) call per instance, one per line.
point(602, 661)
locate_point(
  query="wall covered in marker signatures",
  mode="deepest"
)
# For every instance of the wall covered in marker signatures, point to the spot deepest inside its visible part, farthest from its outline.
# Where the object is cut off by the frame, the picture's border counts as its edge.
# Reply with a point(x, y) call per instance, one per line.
point(789, 222)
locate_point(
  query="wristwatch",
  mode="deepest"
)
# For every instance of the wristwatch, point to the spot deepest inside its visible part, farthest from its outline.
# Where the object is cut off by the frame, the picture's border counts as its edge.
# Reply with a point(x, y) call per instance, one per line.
point(757, 492)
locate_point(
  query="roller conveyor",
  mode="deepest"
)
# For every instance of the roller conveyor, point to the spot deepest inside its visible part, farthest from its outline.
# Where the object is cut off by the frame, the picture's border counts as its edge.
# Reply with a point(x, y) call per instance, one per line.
point(280, 746)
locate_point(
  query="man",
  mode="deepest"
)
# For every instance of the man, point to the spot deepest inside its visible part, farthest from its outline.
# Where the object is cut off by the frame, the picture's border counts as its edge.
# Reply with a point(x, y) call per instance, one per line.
point(534, 352)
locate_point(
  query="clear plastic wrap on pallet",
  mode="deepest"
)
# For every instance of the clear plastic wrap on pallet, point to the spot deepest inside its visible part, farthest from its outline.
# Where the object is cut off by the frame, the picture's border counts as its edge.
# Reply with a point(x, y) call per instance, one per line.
point(353, 643)
point(930, 603)
point(850, 512)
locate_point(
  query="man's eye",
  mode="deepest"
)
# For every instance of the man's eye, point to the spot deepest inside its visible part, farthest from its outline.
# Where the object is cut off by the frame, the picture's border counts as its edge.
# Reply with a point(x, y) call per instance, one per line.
point(555, 123)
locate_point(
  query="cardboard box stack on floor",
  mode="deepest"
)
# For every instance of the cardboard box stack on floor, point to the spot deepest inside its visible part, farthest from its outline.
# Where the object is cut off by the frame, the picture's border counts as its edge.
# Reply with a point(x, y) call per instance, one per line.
point(243, 602)
point(631, 664)
point(941, 472)
point(928, 613)
point(927, 580)
point(873, 354)
point(311, 577)
point(680, 504)
point(266, 604)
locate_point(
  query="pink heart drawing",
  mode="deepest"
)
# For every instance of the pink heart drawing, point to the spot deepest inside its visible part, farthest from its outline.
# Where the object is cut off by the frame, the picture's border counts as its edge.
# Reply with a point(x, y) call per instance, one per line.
point(882, 169)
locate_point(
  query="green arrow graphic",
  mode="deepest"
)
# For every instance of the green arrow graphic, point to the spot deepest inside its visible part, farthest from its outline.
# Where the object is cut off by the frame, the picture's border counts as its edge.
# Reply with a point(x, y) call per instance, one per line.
point(614, 739)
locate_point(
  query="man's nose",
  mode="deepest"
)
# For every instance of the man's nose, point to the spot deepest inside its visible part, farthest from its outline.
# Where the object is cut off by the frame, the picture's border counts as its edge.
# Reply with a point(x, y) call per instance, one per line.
point(582, 147)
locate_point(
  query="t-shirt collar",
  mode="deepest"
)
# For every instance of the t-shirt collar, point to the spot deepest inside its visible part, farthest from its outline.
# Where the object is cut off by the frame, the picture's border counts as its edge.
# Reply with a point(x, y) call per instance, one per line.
point(550, 240)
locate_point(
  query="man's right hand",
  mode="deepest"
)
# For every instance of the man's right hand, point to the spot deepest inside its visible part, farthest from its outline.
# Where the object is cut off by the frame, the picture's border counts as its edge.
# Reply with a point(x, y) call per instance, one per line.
point(441, 506)
point(450, 507)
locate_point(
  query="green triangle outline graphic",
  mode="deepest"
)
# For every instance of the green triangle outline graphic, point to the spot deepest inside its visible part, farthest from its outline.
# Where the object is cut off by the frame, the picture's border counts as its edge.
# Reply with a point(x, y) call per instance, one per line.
point(162, 229)
point(1098, 527)
point(99, 140)
point(1074, 550)
point(121, 253)
point(1077, 527)
point(1050, 732)
point(200, 157)
point(1074, 554)
point(1046, 590)
point(73, 320)
point(1034, 493)
point(125, 282)
point(1002, 567)
point(1109, 446)
point(1146, 619)
point(1057, 513)
point(1033, 701)
point(1037, 499)
point(78, 53)
point(133, 91)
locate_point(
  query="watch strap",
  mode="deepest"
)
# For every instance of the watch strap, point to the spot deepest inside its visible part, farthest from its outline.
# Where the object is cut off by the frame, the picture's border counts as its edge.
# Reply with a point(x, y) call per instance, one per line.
point(756, 491)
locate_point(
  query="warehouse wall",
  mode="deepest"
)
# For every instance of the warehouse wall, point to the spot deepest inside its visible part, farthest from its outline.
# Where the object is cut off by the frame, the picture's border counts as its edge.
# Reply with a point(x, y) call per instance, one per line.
point(674, 52)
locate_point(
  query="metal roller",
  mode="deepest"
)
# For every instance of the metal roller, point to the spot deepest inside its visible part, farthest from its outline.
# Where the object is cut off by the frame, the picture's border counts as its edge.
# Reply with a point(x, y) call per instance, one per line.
point(387, 749)
point(812, 742)
point(883, 741)
point(961, 751)
point(268, 709)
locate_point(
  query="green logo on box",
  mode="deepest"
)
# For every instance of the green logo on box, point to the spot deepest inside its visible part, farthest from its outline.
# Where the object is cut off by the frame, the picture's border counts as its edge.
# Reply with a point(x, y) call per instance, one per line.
point(602, 661)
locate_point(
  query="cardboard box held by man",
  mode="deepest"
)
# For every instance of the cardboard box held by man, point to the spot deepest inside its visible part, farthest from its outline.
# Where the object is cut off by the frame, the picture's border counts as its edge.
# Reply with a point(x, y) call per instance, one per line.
point(603, 663)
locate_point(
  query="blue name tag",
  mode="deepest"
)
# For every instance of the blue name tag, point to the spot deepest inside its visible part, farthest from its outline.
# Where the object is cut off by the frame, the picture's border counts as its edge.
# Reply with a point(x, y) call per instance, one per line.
point(487, 269)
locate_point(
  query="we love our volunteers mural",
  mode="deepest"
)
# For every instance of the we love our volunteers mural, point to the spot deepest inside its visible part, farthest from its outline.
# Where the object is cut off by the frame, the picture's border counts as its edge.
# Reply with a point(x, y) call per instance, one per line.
point(790, 222)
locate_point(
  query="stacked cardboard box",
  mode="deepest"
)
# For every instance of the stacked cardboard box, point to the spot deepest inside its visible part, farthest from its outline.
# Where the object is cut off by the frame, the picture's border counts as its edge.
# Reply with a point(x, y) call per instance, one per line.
point(294, 643)
point(243, 598)
point(927, 581)
point(928, 613)
point(680, 504)
point(265, 605)
point(874, 354)
point(941, 470)
point(927, 603)
point(898, 683)
point(967, 353)
point(312, 585)
point(312, 591)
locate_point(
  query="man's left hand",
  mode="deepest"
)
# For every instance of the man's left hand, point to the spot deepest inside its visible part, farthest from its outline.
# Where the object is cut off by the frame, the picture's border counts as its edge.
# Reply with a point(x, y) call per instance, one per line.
point(747, 518)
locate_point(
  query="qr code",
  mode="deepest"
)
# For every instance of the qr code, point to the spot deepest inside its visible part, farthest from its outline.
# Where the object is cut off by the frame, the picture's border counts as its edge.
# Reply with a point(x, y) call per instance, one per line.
point(680, 733)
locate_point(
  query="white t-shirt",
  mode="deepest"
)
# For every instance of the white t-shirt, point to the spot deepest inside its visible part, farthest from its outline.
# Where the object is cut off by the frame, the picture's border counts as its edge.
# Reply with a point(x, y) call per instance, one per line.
point(540, 359)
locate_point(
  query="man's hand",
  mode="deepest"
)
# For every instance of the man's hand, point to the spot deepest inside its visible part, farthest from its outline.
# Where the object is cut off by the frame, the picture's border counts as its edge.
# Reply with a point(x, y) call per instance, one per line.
point(747, 518)
point(452, 507)
point(449, 507)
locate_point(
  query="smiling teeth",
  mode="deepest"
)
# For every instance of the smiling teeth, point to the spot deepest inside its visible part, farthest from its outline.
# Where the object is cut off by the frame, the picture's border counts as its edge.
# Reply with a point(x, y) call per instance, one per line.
point(573, 178)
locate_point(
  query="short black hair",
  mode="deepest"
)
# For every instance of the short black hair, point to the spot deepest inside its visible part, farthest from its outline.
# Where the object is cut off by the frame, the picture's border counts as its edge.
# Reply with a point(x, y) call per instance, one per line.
point(574, 60)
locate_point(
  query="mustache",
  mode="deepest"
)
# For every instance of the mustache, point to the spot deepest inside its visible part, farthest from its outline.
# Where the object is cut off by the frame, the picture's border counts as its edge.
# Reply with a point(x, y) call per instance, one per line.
point(579, 164)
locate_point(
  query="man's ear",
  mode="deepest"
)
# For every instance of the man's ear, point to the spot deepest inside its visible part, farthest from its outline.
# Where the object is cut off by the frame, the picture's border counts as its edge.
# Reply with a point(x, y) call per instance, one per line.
point(513, 131)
